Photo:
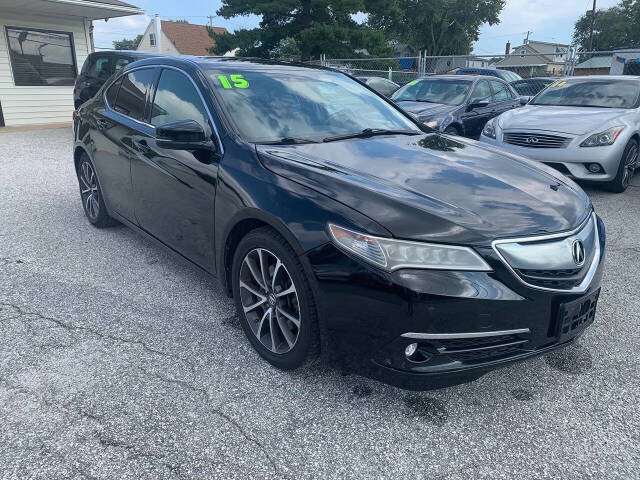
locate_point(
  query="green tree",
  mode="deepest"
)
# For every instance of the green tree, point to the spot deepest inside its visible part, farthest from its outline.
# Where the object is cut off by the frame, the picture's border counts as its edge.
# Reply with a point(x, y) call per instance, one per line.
point(440, 27)
point(614, 27)
point(127, 44)
point(287, 49)
point(316, 26)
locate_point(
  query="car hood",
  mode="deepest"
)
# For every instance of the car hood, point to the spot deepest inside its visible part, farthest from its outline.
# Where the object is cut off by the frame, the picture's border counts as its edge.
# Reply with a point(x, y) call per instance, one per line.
point(572, 120)
point(434, 188)
point(425, 110)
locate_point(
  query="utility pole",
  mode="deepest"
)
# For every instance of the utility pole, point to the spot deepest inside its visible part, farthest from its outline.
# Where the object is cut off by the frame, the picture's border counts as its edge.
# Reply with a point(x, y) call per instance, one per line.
point(210, 17)
point(593, 21)
point(526, 40)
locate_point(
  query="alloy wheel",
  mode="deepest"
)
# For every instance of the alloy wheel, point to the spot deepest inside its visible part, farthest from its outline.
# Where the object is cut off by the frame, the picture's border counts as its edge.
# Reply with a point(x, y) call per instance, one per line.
point(630, 162)
point(89, 190)
point(270, 301)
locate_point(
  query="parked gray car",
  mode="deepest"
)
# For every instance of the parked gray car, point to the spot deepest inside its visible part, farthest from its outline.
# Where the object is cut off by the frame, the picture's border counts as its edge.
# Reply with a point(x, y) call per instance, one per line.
point(586, 127)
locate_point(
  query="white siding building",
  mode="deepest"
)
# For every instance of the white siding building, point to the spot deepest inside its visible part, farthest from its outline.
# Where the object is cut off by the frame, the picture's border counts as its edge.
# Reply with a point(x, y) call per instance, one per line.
point(43, 44)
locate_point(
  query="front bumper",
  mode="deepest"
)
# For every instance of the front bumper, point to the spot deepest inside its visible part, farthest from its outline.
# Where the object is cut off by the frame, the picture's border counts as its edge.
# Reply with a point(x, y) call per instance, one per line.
point(573, 159)
point(367, 313)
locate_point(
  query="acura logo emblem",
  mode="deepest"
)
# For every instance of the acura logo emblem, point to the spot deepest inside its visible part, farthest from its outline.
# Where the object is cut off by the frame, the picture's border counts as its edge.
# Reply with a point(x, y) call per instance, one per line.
point(577, 251)
point(532, 139)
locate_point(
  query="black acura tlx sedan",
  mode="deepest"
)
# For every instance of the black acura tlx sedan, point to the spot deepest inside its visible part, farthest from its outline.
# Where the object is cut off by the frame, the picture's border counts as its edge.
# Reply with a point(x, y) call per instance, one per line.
point(337, 223)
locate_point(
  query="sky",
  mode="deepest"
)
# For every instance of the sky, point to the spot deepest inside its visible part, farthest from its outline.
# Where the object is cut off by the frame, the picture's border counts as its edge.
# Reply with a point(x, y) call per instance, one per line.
point(548, 20)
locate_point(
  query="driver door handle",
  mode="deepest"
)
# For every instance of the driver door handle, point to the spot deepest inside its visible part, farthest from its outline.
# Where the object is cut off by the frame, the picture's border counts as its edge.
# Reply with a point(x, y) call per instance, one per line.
point(142, 145)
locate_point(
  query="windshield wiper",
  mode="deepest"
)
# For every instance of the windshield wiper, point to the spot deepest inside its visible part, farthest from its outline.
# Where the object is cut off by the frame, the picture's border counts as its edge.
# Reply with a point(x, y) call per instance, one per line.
point(288, 141)
point(370, 132)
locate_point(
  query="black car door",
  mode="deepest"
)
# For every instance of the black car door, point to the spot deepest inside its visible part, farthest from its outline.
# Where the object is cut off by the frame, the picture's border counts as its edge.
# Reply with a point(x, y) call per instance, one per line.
point(114, 128)
point(504, 98)
point(474, 118)
point(175, 189)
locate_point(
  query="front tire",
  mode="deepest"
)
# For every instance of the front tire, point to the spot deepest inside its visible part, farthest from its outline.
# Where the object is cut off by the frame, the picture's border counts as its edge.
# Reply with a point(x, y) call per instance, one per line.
point(91, 195)
point(274, 300)
point(628, 164)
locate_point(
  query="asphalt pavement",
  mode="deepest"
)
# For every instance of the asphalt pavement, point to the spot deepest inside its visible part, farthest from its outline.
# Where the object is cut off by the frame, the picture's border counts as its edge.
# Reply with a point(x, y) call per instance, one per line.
point(119, 362)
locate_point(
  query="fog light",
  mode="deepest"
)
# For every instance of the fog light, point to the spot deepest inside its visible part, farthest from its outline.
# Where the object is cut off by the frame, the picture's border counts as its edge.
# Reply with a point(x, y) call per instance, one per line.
point(410, 350)
point(594, 167)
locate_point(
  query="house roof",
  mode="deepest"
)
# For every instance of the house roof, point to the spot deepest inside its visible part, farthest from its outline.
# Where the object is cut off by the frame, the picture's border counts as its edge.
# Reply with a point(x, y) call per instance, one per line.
point(596, 62)
point(89, 9)
point(188, 38)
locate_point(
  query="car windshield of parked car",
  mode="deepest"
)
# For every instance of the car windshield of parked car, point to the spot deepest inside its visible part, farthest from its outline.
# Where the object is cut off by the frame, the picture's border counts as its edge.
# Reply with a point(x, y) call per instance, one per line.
point(448, 92)
point(509, 76)
point(592, 93)
point(302, 104)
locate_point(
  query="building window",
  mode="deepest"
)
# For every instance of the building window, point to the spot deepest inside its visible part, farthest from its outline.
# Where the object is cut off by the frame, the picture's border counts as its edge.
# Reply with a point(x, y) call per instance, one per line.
point(41, 57)
point(152, 39)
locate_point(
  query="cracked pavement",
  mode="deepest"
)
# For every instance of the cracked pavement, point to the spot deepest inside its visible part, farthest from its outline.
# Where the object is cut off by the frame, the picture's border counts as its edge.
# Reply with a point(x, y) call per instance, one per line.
point(118, 362)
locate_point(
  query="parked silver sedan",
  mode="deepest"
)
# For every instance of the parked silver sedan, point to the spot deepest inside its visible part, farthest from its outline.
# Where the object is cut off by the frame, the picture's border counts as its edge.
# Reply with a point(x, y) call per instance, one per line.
point(586, 127)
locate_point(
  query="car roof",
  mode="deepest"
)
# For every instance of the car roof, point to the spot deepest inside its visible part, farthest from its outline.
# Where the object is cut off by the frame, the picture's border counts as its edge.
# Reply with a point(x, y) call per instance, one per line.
point(126, 53)
point(226, 63)
point(458, 77)
point(603, 77)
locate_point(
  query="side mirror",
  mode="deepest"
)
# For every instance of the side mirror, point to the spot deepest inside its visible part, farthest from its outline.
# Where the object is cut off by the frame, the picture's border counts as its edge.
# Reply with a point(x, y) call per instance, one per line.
point(477, 104)
point(524, 99)
point(182, 135)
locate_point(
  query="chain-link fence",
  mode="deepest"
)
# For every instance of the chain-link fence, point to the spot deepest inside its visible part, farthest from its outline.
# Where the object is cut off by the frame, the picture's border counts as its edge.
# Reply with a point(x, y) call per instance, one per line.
point(527, 72)
point(400, 70)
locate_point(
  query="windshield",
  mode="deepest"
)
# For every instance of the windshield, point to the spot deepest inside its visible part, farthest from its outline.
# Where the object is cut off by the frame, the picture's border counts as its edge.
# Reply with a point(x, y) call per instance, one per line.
point(509, 76)
point(448, 92)
point(268, 106)
point(592, 93)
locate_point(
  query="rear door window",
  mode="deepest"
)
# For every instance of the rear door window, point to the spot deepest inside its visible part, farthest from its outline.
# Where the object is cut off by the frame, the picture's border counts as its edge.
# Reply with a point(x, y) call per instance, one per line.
point(112, 93)
point(120, 63)
point(500, 91)
point(133, 93)
point(98, 67)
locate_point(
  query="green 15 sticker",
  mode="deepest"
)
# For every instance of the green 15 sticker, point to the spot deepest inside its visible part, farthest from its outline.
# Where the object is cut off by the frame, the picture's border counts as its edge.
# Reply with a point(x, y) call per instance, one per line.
point(237, 81)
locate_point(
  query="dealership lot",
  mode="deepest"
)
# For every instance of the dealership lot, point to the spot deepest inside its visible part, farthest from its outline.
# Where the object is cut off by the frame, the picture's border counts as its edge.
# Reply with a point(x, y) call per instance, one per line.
point(116, 361)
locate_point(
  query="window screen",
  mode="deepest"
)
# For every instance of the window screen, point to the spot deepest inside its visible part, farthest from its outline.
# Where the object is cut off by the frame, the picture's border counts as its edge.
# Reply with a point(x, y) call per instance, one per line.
point(41, 57)
point(133, 92)
point(177, 99)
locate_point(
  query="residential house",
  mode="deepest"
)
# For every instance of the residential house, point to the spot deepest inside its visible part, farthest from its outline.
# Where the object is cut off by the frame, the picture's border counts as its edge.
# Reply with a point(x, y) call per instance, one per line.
point(43, 45)
point(536, 59)
point(598, 65)
point(177, 38)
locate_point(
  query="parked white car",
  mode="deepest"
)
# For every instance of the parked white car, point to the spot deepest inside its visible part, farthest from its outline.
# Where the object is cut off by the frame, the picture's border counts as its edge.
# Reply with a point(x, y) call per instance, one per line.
point(586, 127)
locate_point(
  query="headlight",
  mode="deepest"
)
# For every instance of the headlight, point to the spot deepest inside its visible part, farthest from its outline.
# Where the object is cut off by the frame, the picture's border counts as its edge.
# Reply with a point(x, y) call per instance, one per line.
point(390, 254)
point(603, 138)
point(489, 129)
point(432, 124)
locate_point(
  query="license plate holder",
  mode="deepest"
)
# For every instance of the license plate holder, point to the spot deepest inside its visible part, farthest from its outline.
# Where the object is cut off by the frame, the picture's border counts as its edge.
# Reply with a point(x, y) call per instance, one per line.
point(575, 316)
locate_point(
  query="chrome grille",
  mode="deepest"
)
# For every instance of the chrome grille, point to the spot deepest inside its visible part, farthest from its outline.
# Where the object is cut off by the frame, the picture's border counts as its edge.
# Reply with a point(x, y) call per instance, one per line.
point(535, 140)
point(547, 262)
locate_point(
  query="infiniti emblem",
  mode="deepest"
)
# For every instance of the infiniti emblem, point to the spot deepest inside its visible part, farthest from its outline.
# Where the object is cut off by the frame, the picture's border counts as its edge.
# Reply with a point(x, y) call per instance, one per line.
point(532, 139)
point(577, 251)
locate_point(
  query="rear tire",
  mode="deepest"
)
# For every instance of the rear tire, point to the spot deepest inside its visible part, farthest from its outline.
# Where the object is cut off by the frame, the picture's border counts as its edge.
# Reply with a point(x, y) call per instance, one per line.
point(274, 300)
point(628, 164)
point(91, 195)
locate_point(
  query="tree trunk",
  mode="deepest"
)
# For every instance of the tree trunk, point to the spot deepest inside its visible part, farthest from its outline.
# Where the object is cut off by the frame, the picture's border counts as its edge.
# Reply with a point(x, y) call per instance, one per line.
point(306, 21)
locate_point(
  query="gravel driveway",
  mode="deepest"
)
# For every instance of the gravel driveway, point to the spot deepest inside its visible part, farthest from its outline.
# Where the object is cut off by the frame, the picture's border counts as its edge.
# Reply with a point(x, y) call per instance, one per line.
point(116, 361)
